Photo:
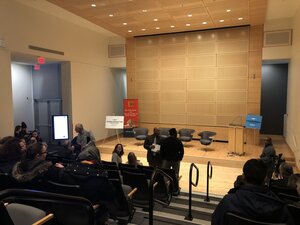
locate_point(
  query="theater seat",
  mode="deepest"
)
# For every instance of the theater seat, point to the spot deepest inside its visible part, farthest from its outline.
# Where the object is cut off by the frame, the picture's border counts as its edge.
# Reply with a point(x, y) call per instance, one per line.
point(164, 132)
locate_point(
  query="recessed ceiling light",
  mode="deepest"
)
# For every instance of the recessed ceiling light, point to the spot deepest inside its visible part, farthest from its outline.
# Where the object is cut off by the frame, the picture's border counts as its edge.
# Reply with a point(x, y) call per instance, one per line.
point(155, 20)
point(172, 26)
point(240, 18)
point(221, 21)
point(144, 10)
point(111, 15)
point(204, 22)
point(143, 29)
point(188, 24)
point(124, 24)
point(93, 5)
point(129, 31)
point(157, 28)
point(228, 10)
point(190, 15)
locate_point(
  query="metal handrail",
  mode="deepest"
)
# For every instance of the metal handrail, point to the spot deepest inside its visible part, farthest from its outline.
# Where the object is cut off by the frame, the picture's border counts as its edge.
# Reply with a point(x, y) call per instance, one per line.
point(208, 177)
point(191, 183)
point(151, 187)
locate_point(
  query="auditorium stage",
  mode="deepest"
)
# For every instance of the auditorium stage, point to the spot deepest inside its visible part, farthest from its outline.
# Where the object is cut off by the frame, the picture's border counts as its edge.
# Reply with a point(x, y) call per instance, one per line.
point(225, 167)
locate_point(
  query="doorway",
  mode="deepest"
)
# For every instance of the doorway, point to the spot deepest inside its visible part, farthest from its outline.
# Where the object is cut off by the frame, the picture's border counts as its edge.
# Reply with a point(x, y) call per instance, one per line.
point(273, 98)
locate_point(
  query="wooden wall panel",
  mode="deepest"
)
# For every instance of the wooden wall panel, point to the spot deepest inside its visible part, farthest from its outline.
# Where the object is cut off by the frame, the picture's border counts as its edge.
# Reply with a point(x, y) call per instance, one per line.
point(201, 84)
point(201, 73)
point(172, 62)
point(174, 96)
point(201, 96)
point(172, 74)
point(201, 48)
point(233, 71)
point(203, 60)
point(201, 79)
point(230, 59)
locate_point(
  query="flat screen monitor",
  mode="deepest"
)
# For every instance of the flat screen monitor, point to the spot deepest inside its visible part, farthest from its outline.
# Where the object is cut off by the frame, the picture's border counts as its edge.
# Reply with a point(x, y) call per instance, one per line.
point(60, 127)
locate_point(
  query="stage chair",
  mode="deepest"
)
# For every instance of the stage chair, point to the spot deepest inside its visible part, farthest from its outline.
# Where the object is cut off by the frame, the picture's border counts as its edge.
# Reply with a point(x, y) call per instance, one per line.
point(233, 219)
point(164, 132)
point(295, 212)
point(140, 134)
point(186, 135)
point(205, 138)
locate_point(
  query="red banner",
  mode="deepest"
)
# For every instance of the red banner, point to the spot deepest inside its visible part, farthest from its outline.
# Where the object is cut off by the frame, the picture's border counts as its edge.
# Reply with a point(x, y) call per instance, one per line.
point(131, 113)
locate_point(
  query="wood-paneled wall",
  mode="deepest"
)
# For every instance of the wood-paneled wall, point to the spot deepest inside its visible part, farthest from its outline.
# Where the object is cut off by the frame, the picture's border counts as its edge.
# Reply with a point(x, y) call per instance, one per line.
point(202, 80)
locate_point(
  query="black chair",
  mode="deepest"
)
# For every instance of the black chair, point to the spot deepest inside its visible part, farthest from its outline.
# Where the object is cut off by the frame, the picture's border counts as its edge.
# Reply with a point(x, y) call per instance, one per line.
point(205, 138)
point(124, 207)
point(6, 181)
point(186, 135)
point(164, 132)
point(287, 198)
point(109, 165)
point(140, 133)
point(139, 181)
point(233, 219)
point(295, 212)
point(67, 209)
point(283, 190)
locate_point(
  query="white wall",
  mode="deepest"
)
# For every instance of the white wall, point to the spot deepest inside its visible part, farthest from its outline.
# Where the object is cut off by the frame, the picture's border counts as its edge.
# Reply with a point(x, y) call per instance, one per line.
point(88, 97)
point(22, 95)
point(293, 105)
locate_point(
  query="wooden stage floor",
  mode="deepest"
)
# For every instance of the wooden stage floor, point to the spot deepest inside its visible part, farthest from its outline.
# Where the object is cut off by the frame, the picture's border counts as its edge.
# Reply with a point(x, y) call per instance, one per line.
point(225, 168)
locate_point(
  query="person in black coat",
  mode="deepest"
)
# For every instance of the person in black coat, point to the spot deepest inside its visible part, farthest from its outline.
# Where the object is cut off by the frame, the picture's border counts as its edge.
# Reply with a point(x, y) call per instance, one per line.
point(172, 151)
point(268, 157)
point(252, 200)
point(150, 143)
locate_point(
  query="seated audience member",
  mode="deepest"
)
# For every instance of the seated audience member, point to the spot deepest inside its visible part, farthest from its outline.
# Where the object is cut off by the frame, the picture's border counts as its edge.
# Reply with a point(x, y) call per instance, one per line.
point(35, 135)
point(35, 167)
point(285, 171)
point(292, 182)
point(83, 139)
point(17, 132)
point(132, 160)
point(10, 153)
point(90, 153)
point(24, 132)
point(268, 157)
point(252, 200)
point(117, 154)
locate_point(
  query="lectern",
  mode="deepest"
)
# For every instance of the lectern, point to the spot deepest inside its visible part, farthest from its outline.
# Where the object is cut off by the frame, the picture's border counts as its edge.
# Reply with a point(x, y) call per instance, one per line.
point(236, 139)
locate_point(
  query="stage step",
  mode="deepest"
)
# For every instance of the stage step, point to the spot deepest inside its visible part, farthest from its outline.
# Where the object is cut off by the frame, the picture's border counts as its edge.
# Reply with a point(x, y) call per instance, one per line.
point(176, 212)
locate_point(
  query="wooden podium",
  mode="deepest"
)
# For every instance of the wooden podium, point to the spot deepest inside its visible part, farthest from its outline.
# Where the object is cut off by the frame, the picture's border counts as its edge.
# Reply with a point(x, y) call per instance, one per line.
point(236, 139)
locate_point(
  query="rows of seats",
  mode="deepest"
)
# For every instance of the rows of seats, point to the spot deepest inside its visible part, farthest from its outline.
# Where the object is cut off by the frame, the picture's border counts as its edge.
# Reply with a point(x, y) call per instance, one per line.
point(139, 177)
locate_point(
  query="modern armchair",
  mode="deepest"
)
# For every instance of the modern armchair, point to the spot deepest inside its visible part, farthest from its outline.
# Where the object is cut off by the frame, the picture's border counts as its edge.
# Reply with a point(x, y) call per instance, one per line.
point(140, 133)
point(186, 134)
point(164, 132)
point(205, 138)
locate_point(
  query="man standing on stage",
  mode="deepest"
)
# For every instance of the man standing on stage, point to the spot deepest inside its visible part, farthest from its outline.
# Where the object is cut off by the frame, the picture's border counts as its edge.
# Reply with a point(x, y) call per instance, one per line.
point(172, 152)
point(152, 144)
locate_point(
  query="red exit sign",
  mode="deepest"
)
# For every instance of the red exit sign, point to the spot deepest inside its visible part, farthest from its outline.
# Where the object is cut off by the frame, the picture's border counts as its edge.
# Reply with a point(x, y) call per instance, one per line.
point(41, 60)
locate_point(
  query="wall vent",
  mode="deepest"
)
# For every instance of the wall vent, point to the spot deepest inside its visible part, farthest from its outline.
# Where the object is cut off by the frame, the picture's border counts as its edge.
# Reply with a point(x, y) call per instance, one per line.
point(115, 51)
point(277, 38)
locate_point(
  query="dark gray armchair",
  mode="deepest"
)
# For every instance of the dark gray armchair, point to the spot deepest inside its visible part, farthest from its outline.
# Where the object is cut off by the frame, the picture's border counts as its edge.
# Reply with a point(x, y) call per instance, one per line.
point(164, 132)
point(186, 134)
point(140, 133)
point(206, 138)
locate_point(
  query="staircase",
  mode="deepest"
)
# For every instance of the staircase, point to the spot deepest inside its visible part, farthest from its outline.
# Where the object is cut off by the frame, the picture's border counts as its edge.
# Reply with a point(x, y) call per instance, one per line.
point(178, 209)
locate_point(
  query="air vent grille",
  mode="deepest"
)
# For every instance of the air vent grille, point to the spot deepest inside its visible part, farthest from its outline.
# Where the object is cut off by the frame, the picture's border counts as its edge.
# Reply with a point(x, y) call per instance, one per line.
point(115, 51)
point(277, 38)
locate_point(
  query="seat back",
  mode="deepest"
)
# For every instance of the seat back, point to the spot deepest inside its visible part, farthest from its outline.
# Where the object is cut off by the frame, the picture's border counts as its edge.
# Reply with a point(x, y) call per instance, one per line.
point(233, 219)
point(67, 209)
point(207, 134)
point(139, 181)
point(186, 134)
point(140, 131)
point(164, 132)
point(295, 212)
